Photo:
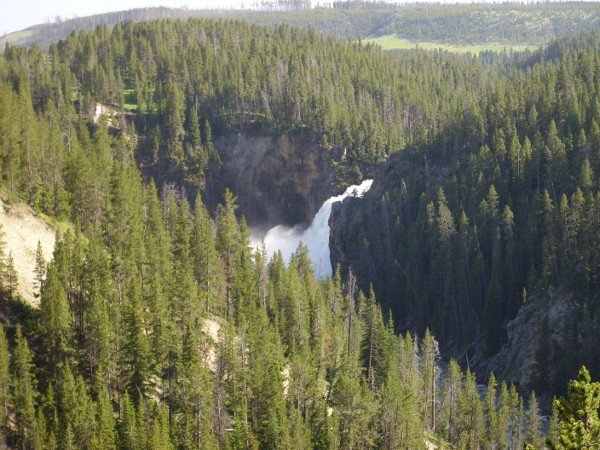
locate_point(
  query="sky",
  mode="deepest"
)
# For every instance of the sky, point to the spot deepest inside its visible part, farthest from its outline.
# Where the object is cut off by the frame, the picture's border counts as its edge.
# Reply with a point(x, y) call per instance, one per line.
point(16, 15)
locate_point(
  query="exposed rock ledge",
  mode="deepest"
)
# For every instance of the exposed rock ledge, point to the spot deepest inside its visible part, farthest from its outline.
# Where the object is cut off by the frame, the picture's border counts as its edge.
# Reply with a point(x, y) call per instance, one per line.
point(280, 179)
point(515, 363)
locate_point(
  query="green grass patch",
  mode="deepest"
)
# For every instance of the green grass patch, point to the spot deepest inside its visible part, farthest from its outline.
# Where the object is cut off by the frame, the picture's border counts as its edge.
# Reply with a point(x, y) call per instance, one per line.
point(11, 38)
point(130, 100)
point(394, 43)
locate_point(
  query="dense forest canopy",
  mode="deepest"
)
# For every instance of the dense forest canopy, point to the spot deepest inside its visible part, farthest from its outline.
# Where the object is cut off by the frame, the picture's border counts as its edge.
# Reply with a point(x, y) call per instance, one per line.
point(160, 327)
point(230, 76)
point(500, 206)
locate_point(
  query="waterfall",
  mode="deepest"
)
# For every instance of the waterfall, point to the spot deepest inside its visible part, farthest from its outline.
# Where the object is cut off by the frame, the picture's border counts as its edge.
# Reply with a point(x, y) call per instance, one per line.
point(315, 236)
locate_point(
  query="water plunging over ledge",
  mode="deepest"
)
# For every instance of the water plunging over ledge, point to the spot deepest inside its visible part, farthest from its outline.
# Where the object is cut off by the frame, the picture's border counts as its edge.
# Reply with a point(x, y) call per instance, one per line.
point(315, 236)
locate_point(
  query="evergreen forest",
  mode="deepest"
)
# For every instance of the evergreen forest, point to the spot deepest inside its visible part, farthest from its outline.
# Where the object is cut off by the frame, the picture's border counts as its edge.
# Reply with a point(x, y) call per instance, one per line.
point(157, 324)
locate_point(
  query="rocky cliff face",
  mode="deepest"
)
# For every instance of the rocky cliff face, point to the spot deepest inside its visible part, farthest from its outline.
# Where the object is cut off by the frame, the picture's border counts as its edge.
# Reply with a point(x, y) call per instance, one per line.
point(280, 179)
point(516, 362)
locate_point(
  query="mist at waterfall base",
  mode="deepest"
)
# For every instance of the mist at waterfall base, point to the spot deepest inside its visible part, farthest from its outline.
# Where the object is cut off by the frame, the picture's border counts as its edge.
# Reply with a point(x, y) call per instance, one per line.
point(315, 236)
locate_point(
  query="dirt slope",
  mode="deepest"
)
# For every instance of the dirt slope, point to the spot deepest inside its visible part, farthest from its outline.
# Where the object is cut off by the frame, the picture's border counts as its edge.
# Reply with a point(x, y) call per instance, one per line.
point(23, 228)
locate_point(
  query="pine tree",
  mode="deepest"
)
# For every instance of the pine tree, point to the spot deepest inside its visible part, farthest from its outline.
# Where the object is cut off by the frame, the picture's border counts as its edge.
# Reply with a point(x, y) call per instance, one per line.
point(517, 419)
point(55, 321)
point(2, 252)
point(228, 244)
point(586, 178)
point(533, 436)
point(39, 271)
point(503, 406)
point(206, 133)
point(579, 424)
point(354, 405)
point(104, 435)
point(50, 414)
point(267, 403)
point(553, 426)
point(206, 262)
point(193, 128)
point(137, 357)
point(184, 296)
point(471, 424)
point(75, 410)
point(129, 435)
point(173, 119)
point(373, 342)
point(24, 394)
point(300, 432)
point(11, 277)
point(97, 326)
point(196, 389)
point(400, 417)
point(157, 278)
point(243, 436)
point(5, 381)
point(429, 371)
point(449, 402)
point(491, 413)
point(159, 438)
point(410, 410)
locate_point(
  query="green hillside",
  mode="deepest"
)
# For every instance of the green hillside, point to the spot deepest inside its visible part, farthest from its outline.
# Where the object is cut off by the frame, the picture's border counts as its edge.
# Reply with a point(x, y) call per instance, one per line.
point(395, 43)
point(456, 25)
point(159, 326)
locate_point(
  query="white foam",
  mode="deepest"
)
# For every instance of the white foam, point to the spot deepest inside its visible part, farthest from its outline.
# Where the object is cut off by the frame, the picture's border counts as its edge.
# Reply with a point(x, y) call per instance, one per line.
point(315, 236)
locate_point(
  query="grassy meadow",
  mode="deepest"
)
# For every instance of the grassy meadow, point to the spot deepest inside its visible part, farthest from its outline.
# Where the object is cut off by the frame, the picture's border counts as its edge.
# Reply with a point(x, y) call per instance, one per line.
point(394, 43)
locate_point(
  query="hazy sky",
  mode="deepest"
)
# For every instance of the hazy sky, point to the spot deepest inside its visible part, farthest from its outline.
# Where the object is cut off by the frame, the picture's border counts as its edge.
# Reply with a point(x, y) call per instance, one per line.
point(19, 14)
point(16, 15)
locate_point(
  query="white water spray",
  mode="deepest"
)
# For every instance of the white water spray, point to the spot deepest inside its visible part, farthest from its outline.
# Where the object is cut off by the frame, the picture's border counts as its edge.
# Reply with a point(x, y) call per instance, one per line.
point(315, 237)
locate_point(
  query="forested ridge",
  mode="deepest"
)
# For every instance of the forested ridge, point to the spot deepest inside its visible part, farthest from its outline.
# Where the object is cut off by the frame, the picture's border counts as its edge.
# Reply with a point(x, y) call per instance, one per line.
point(499, 209)
point(506, 23)
point(159, 326)
point(117, 354)
point(231, 76)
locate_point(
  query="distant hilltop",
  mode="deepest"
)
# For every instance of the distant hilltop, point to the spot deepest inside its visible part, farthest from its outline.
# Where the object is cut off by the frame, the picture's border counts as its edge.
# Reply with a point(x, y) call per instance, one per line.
point(506, 24)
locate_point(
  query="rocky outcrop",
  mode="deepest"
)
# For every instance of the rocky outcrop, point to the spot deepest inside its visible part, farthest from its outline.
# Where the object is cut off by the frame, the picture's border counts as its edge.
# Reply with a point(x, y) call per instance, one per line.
point(516, 362)
point(280, 179)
